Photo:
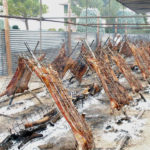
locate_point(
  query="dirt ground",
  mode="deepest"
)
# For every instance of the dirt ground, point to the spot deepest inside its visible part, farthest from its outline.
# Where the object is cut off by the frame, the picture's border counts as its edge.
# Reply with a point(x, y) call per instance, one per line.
point(144, 142)
point(97, 110)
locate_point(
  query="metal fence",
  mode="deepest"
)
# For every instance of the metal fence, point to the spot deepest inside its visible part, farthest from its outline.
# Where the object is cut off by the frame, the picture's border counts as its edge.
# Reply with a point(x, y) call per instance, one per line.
point(51, 44)
point(50, 41)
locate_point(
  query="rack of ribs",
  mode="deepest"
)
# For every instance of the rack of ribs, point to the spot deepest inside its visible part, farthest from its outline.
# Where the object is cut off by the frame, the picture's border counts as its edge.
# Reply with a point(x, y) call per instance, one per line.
point(63, 63)
point(117, 94)
point(139, 61)
point(20, 79)
point(126, 71)
point(64, 103)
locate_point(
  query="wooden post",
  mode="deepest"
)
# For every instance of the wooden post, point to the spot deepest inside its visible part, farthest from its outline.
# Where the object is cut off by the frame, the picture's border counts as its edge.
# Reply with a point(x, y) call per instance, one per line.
point(116, 26)
point(86, 17)
point(98, 31)
point(7, 40)
point(126, 31)
point(41, 12)
point(69, 29)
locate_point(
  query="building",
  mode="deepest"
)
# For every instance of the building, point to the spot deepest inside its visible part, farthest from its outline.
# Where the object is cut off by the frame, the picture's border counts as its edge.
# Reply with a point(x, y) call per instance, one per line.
point(66, 14)
point(55, 9)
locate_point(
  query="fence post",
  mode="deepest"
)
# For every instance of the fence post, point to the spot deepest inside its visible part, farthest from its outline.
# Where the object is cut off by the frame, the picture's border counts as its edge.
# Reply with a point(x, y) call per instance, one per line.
point(7, 40)
point(69, 29)
point(98, 30)
point(116, 26)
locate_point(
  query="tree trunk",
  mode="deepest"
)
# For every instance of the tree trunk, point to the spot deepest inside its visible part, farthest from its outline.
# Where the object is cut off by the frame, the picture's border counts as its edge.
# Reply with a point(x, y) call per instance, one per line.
point(26, 23)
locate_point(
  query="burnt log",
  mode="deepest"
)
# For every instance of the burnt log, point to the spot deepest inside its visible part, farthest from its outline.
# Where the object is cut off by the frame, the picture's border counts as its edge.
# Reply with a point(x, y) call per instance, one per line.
point(29, 138)
point(45, 119)
point(7, 143)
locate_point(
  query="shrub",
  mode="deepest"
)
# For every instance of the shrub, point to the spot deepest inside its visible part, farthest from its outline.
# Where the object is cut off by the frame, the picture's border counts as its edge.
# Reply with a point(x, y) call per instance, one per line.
point(61, 30)
point(15, 27)
point(51, 29)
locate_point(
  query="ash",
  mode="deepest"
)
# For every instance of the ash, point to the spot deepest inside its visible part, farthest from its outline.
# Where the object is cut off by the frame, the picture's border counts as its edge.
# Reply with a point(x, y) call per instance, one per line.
point(16, 107)
point(95, 107)
point(50, 134)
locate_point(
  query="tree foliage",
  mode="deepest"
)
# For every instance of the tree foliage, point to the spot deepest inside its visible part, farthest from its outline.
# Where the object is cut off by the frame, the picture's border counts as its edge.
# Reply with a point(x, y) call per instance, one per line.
point(129, 21)
point(25, 8)
point(52, 29)
point(105, 7)
point(78, 5)
point(90, 12)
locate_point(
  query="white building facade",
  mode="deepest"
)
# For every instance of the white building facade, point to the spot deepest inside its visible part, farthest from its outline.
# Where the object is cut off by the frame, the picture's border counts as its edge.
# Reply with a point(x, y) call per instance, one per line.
point(55, 9)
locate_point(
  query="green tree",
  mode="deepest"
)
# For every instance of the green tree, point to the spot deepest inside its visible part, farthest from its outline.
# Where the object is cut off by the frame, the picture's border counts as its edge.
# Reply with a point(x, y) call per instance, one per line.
point(105, 7)
point(90, 12)
point(132, 28)
point(60, 30)
point(25, 8)
point(121, 29)
point(78, 5)
point(110, 8)
point(52, 29)
point(145, 18)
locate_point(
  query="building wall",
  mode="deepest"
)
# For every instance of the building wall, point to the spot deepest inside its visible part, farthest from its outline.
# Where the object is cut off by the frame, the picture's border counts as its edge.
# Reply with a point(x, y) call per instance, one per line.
point(55, 9)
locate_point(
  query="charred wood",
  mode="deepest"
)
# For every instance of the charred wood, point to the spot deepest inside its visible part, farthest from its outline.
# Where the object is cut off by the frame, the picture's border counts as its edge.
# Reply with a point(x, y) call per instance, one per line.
point(7, 143)
point(123, 142)
point(47, 117)
point(142, 97)
point(27, 139)
point(90, 90)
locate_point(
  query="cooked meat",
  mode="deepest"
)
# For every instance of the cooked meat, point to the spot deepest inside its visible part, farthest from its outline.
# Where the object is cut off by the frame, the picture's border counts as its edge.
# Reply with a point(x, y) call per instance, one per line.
point(117, 94)
point(126, 71)
point(21, 78)
point(64, 103)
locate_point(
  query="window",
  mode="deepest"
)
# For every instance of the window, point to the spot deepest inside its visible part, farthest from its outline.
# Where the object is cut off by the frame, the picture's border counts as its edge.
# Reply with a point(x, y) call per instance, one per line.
point(66, 8)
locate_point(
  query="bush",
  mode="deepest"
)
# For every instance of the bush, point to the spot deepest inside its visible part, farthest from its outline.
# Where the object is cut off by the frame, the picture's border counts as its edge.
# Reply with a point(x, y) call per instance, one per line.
point(90, 12)
point(52, 29)
point(16, 27)
point(61, 30)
